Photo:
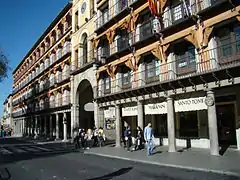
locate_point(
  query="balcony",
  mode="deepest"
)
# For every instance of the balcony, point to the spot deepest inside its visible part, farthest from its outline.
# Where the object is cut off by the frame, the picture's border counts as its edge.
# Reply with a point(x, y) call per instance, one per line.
point(147, 29)
point(176, 14)
point(63, 76)
point(123, 42)
point(114, 12)
point(84, 61)
point(203, 6)
point(217, 61)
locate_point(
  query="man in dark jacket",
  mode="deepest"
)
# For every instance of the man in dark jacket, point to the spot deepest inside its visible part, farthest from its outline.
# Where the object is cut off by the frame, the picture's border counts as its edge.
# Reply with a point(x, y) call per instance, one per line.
point(128, 137)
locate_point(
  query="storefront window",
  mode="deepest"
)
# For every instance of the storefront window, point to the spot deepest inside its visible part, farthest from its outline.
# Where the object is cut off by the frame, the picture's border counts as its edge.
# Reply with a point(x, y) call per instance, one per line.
point(188, 124)
point(161, 125)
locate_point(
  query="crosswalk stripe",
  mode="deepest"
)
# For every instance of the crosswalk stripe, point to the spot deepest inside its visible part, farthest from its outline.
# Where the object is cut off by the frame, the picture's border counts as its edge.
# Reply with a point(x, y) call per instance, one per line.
point(5, 151)
point(42, 148)
point(28, 148)
point(16, 149)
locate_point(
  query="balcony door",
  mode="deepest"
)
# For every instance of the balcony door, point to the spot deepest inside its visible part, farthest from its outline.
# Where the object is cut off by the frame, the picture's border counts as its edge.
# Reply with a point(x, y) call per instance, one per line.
point(185, 58)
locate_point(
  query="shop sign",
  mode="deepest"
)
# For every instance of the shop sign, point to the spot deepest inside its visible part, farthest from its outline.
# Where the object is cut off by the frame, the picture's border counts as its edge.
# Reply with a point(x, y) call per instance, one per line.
point(191, 104)
point(109, 113)
point(129, 111)
point(158, 108)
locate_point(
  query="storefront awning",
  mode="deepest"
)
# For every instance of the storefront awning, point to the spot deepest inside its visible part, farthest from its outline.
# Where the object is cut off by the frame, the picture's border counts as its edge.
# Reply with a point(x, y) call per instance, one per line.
point(191, 104)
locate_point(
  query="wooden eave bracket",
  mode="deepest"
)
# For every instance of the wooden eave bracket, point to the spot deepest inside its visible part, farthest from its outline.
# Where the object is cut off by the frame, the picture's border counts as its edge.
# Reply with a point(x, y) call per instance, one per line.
point(111, 70)
point(160, 52)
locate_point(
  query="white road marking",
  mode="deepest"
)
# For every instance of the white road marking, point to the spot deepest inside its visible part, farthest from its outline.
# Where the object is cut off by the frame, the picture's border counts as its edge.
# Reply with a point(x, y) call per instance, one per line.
point(18, 150)
point(5, 151)
point(32, 149)
point(42, 148)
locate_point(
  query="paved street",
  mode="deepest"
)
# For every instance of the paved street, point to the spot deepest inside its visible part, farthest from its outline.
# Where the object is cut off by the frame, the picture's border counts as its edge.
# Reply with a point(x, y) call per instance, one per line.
point(60, 162)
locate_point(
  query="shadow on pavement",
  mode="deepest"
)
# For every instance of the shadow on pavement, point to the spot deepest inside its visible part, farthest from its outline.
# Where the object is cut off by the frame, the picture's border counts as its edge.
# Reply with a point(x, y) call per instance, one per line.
point(7, 159)
point(5, 174)
point(223, 149)
point(113, 174)
point(13, 140)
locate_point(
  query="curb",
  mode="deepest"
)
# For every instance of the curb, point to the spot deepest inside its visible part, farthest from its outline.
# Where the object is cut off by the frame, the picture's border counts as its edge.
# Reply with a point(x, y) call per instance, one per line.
point(229, 173)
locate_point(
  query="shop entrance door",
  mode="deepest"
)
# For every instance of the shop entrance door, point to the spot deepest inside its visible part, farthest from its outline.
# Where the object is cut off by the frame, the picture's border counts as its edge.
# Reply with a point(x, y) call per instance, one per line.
point(226, 124)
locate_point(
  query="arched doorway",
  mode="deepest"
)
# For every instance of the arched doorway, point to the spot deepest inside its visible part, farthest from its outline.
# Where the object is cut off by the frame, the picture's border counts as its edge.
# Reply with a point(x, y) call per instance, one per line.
point(84, 99)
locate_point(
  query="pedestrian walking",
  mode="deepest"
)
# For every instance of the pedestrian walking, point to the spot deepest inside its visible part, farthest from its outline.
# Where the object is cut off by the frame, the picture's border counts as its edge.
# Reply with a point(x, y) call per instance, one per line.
point(139, 139)
point(128, 137)
point(101, 137)
point(83, 139)
point(76, 140)
point(149, 137)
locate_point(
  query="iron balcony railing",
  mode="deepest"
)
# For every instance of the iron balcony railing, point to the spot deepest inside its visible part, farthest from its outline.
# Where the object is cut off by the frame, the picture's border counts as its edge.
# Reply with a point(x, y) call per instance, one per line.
point(176, 13)
point(183, 66)
point(124, 41)
point(111, 12)
point(200, 5)
point(84, 58)
point(147, 29)
point(63, 76)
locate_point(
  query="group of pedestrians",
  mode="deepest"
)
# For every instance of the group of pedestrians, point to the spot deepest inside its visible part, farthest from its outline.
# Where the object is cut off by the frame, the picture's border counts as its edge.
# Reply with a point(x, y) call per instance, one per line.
point(142, 138)
point(87, 139)
point(5, 132)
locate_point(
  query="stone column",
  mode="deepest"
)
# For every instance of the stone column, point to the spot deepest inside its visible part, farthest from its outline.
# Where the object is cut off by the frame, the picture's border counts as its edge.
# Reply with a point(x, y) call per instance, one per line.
point(171, 125)
point(33, 125)
point(118, 126)
point(212, 123)
point(40, 126)
point(140, 115)
point(57, 127)
point(73, 107)
point(36, 125)
point(22, 127)
point(96, 112)
point(65, 126)
point(50, 126)
point(45, 125)
point(74, 118)
point(29, 127)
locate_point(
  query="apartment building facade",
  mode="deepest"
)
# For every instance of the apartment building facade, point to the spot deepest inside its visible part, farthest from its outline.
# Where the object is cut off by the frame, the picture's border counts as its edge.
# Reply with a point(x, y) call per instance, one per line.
point(83, 65)
point(172, 63)
point(41, 89)
point(7, 120)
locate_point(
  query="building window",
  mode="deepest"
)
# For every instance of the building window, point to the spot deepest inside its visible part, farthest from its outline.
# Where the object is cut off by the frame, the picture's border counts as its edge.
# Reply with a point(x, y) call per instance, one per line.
point(85, 50)
point(107, 84)
point(179, 10)
point(76, 59)
point(185, 58)
point(59, 53)
point(126, 77)
point(152, 66)
point(105, 16)
point(146, 27)
point(188, 124)
point(76, 21)
point(123, 40)
point(228, 42)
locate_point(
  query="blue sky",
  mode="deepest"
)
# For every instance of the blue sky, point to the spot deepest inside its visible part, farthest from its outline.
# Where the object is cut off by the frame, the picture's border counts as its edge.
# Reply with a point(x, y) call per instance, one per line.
point(22, 23)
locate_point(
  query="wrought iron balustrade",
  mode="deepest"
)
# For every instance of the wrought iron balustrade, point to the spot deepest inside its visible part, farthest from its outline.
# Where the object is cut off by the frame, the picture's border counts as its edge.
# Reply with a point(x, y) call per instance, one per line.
point(176, 13)
point(111, 12)
point(219, 58)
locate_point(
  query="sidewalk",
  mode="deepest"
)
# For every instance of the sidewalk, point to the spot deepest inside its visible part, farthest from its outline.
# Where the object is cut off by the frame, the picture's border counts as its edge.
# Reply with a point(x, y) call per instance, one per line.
point(191, 159)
